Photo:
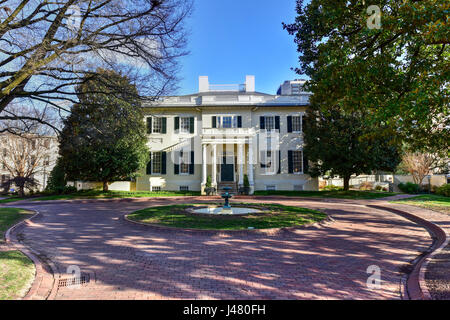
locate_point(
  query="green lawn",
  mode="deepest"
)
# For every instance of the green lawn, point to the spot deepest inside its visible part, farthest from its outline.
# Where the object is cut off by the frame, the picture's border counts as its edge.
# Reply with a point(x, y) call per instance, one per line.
point(429, 201)
point(275, 216)
point(351, 194)
point(11, 199)
point(95, 194)
point(9, 217)
point(16, 275)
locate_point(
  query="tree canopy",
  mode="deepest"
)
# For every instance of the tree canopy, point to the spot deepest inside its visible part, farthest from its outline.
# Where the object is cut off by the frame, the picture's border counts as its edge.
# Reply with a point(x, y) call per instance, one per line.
point(47, 48)
point(342, 144)
point(104, 137)
point(398, 73)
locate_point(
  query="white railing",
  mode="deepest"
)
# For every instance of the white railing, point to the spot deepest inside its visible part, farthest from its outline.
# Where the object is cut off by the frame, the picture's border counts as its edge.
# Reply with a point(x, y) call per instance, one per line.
point(229, 131)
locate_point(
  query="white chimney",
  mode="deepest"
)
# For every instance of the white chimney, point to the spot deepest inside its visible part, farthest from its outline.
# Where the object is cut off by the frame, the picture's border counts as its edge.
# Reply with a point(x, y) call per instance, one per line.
point(203, 84)
point(250, 83)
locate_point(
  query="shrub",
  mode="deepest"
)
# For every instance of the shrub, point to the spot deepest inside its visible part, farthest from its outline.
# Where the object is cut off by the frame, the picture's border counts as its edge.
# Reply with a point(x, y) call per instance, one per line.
point(378, 188)
point(444, 190)
point(208, 182)
point(366, 186)
point(409, 187)
point(332, 188)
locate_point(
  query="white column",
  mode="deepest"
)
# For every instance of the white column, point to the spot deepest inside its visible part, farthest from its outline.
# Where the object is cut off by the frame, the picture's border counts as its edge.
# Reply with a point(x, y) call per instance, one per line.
point(250, 164)
point(204, 165)
point(214, 165)
point(241, 163)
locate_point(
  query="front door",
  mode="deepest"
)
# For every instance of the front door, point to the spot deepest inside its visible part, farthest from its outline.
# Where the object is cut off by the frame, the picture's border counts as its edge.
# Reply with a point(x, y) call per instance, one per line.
point(226, 171)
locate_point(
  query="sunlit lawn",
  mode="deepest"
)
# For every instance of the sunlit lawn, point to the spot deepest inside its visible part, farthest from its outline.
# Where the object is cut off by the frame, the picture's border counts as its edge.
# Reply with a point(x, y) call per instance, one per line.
point(429, 201)
point(275, 216)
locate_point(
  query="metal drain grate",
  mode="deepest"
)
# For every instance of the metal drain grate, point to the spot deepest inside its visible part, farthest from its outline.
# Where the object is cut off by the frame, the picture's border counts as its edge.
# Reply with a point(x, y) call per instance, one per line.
point(84, 279)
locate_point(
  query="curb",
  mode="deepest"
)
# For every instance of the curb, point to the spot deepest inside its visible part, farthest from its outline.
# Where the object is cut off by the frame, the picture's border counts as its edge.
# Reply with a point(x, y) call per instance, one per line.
point(43, 283)
point(415, 287)
point(424, 268)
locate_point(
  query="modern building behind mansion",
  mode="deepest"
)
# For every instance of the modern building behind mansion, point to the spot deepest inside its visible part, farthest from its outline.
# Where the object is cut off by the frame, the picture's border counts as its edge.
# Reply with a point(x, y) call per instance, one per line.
point(228, 135)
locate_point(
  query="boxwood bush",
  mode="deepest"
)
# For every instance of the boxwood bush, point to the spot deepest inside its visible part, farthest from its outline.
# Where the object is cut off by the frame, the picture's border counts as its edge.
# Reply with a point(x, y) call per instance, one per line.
point(409, 187)
point(444, 190)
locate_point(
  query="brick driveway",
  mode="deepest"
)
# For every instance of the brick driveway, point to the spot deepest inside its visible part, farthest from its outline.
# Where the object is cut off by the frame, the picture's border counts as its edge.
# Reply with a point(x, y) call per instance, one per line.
point(128, 261)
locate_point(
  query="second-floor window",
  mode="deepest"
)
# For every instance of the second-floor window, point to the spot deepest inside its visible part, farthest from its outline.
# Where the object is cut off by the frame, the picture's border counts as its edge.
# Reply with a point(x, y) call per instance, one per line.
point(185, 126)
point(269, 123)
point(296, 124)
point(157, 125)
point(227, 121)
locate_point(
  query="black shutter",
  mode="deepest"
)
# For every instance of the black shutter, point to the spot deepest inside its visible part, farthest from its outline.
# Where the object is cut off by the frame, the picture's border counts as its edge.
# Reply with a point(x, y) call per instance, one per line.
point(164, 125)
point(163, 162)
point(149, 125)
point(305, 163)
point(289, 124)
point(302, 122)
point(239, 121)
point(176, 165)
point(214, 122)
point(279, 161)
point(290, 162)
point(177, 123)
point(149, 166)
point(277, 122)
point(262, 123)
point(191, 165)
point(191, 124)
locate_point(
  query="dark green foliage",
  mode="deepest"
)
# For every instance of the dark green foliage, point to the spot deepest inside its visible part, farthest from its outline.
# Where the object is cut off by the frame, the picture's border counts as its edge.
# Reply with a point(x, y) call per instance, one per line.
point(444, 190)
point(398, 74)
point(57, 179)
point(409, 187)
point(104, 138)
point(343, 144)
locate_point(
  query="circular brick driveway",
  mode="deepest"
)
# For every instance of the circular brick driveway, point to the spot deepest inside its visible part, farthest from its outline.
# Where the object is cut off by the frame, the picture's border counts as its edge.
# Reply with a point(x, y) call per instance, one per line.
point(128, 261)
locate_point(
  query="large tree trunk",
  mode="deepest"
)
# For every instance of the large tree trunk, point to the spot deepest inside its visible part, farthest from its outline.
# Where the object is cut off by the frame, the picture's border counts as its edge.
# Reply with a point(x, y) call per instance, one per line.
point(21, 191)
point(346, 183)
point(105, 186)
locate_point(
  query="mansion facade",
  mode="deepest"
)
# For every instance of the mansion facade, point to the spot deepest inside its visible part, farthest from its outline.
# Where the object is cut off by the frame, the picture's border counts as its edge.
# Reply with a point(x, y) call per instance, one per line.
point(227, 136)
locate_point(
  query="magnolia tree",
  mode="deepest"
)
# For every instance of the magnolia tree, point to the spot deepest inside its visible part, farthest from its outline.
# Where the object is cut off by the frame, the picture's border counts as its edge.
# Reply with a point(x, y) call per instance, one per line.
point(47, 48)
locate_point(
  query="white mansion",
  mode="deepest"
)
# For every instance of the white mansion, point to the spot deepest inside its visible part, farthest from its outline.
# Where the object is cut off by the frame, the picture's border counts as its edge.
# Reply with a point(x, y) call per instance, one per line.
point(227, 135)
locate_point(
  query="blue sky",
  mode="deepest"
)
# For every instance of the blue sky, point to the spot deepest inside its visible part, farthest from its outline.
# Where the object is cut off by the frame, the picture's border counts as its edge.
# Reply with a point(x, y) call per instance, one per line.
point(232, 38)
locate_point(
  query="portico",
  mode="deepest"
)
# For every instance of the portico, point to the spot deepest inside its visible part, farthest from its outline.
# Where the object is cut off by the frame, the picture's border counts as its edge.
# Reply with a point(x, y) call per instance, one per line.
point(228, 154)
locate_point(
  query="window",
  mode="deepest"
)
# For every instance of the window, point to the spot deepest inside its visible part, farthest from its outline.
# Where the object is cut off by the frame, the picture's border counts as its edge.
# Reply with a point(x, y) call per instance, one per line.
point(184, 162)
point(271, 188)
point(297, 161)
point(298, 187)
point(156, 162)
point(184, 188)
point(269, 122)
point(156, 188)
point(185, 125)
point(157, 125)
point(296, 124)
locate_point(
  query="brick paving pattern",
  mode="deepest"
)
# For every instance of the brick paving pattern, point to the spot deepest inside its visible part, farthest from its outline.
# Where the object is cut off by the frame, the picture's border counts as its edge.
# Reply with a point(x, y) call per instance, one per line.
point(128, 261)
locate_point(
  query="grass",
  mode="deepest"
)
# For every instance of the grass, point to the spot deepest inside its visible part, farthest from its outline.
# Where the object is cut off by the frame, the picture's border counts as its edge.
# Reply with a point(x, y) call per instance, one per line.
point(9, 217)
point(429, 201)
point(96, 194)
point(275, 216)
point(16, 274)
point(340, 194)
point(11, 199)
